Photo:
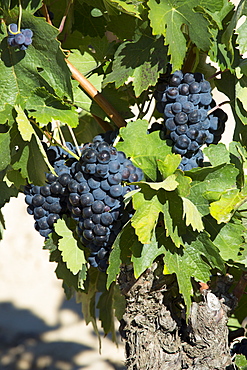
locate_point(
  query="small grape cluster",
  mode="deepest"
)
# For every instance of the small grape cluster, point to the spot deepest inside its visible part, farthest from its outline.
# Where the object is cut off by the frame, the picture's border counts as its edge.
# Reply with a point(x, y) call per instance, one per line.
point(240, 348)
point(21, 39)
point(186, 102)
point(90, 191)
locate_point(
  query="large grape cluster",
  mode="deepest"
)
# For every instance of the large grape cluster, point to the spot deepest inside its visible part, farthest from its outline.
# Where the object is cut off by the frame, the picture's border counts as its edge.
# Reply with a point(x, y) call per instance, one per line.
point(21, 39)
point(90, 191)
point(186, 102)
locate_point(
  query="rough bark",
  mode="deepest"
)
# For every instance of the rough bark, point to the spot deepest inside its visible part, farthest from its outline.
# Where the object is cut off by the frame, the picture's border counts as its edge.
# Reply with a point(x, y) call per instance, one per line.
point(156, 333)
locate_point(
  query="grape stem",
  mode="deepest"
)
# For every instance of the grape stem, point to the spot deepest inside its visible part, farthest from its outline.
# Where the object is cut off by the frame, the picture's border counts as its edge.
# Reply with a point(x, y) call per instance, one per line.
point(74, 140)
point(97, 96)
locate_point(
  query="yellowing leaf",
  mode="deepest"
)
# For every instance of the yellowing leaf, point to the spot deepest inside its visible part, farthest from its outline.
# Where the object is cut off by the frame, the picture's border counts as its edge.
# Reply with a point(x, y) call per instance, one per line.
point(72, 255)
point(168, 184)
point(24, 126)
point(222, 209)
point(193, 216)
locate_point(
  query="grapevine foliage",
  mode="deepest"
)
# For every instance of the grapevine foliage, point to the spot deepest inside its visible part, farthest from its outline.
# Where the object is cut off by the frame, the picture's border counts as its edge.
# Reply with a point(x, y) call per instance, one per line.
point(190, 220)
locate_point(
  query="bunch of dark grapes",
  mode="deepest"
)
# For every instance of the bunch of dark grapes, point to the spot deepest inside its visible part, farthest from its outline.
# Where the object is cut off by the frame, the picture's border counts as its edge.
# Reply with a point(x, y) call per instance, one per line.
point(21, 39)
point(90, 191)
point(240, 348)
point(186, 102)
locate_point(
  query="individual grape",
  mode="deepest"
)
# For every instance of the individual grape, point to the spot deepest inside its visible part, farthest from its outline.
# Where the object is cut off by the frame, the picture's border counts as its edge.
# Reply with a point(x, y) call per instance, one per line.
point(106, 219)
point(195, 98)
point(98, 194)
point(90, 168)
point(45, 190)
point(184, 89)
point(27, 42)
point(45, 233)
point(88, 234)
point(104, 184)
point(114, 166)
point(201, 137)
point(168, 111)
point(193, 146)
point(52, 218)
point(42, 222)
point(181, 118)
point(28, 199)
point(174, 136)
point(93, 183)
point(90, 156)
point(88, 224)
point(102, 169)
point(175, 80)
point(12, 28)
point(55, 208)
point(192, 132)
point(183, 142)
point(39, 212)
point(194, 88)
point(115, 179)
point(38, 200)
point(194, 116)
point(117, 190)
point(51, 177)
point(74, 199)
point(83, 188)
point(205, 86)
point(109, 201)
point(187, 107)
point(205, 98)
point(96, 218)
point(189, 78)
point(56, 187)
point(176, 107)
point(87, 199)
point(170, 124)
point(27, 33)
point(87, 212)
point(98, 206)
point(64, 179)
point(99, 230)
point(182, 129)
point(210, 138)
point(172, 93)
point(19, 39)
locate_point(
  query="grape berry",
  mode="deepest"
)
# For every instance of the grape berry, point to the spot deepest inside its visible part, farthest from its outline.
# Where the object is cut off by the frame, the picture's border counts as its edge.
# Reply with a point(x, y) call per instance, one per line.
point(90, 191)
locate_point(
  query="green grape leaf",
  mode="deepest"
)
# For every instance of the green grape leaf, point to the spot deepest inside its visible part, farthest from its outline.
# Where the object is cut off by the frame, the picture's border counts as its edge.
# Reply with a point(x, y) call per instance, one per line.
point(241, 362)
point(148, 254)
point(85, 63)
point(4, 150)
point(229, 239)
point(148, 207)
point(188, 262)
point(129, 8)
point(168, 18)
point(192, 215)
point(36, 165)
point(135, 139)
point(120, 252)
point(242, 36)
point(106, 312)
point(184, 183)
point(72, 255)
point(15, 178)
point(142, 60)
point(24, 126)
point(168, 184)
point(6, 192)
point(171, 227)
point(223, 208)
point(119, 302)
point(42, 64)
point(217, 154)
point(46, 107)
point(169, 165)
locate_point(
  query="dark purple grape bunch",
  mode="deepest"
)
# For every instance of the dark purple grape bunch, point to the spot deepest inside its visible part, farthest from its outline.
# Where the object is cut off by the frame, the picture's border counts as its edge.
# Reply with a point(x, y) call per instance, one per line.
point(186, 102)
point(21, 39)
point(96, 197)
point(49, 202)
point(91, 191)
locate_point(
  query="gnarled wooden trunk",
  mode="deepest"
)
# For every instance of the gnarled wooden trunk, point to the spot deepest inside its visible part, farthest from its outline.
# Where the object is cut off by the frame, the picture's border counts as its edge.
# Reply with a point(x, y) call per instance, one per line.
point(157, 335)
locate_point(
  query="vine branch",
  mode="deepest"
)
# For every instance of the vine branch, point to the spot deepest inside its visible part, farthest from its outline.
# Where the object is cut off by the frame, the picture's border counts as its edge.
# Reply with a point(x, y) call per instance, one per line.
point(97, 96)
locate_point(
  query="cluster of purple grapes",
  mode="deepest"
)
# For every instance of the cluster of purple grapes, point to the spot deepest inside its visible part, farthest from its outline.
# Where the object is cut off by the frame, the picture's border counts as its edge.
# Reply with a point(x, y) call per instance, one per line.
point(90, 191)
point(185, 100)
point(21, 39)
